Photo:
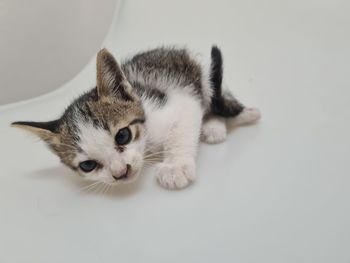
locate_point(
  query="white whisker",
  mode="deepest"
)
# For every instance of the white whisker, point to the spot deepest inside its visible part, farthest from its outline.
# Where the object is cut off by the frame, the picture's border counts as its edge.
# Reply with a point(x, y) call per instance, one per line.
point(87, 187)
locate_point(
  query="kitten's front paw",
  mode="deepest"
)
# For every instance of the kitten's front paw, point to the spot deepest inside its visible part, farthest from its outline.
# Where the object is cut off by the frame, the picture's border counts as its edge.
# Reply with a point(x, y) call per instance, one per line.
point(176, 175)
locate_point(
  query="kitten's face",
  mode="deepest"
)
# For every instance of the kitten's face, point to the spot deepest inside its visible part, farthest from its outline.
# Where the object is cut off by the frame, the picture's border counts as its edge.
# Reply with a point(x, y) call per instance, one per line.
point(101, 135)
point(110, 143)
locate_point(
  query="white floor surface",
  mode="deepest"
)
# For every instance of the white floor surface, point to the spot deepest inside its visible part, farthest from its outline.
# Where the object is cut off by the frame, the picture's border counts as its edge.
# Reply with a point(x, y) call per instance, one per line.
point(275, 192)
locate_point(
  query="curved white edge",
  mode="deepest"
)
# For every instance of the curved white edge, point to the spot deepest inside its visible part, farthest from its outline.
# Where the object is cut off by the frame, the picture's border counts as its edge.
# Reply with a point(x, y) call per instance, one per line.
point(63, 87)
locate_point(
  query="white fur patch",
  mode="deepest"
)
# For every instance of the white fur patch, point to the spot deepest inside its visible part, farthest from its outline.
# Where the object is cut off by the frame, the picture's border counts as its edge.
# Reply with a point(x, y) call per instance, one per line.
point(214, 130)
point(98, 144)
point(247, 116)
point(175, 130)
point(207, 90)
point(176, 175)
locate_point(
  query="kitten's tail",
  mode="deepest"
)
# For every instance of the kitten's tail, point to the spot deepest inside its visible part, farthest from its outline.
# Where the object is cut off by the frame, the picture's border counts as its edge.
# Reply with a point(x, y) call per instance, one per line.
point(224, 105)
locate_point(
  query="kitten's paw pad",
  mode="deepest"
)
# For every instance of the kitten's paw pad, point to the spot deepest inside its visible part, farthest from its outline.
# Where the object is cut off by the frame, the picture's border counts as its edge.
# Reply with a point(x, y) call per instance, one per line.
point(213, 132)
point(175, 176)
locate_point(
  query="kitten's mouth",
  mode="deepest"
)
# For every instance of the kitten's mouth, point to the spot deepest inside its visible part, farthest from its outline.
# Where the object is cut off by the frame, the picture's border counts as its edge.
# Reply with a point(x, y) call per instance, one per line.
point(126, 174)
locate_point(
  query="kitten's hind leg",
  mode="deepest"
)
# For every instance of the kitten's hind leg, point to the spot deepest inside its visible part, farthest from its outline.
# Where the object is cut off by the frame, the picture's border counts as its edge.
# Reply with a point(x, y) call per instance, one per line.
point(247, 116)
point(213, 130)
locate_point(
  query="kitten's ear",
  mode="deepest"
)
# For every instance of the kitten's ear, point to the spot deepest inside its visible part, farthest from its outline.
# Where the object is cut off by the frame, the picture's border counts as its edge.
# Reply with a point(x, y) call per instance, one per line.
point(109, 73)
point(45, 130)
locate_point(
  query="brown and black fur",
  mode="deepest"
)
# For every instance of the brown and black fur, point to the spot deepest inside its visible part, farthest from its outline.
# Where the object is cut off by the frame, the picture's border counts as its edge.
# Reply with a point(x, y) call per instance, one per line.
point(103, 106)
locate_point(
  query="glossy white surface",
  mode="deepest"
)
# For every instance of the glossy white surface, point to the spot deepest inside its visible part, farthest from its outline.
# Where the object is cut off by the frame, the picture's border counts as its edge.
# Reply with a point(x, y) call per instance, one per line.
point(46, 43)
point(274, 192)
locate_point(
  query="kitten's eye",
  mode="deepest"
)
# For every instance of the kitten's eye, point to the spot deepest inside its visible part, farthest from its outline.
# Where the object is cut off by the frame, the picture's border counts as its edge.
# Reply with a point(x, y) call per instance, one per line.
point(88, 166)
point(123, 136)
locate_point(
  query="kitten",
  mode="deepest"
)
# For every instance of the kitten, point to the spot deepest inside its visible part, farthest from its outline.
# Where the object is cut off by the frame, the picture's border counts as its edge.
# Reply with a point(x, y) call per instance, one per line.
point(153, 108)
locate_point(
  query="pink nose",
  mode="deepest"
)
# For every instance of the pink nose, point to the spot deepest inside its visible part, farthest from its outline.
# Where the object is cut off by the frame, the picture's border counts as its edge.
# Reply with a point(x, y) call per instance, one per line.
point(124, 174)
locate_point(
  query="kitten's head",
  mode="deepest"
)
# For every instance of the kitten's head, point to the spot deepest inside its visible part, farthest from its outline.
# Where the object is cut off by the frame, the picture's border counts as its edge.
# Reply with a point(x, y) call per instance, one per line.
point(101, 135)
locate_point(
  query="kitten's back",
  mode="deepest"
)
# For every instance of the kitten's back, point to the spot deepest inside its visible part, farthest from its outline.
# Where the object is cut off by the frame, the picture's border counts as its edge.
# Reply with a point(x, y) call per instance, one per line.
point(169, 64)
